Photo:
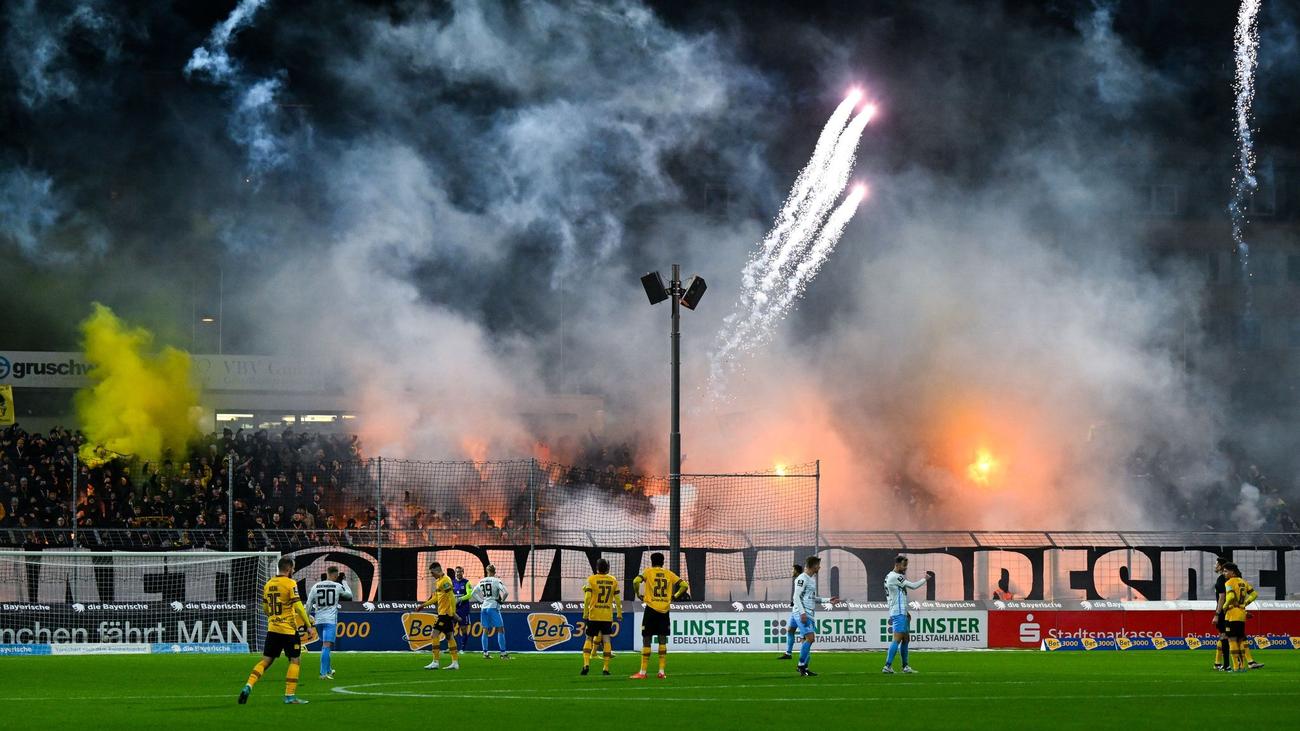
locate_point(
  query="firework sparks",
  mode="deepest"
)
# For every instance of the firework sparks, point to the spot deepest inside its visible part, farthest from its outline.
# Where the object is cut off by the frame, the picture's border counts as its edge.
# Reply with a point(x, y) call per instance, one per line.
point(803, 235)
point(1244, 183)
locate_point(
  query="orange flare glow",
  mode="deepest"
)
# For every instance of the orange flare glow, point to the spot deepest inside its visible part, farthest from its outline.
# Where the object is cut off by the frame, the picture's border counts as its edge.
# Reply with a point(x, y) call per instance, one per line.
point(985, 466)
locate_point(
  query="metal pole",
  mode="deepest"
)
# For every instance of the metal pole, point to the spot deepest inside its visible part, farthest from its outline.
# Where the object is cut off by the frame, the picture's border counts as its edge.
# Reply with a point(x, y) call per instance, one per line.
point(75, 467)
point(532, 534)
point(675, 434)
point(817, 512)
point(379, 526)
point(230, 502)
point(221, 307)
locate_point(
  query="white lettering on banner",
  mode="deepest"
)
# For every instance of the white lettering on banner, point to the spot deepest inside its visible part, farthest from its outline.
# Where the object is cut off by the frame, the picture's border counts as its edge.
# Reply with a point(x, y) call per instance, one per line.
point(1066, 561)
point(731, 564)
point(1292, 572)
point(1174, 578)
point(54, 369)
point(201, 631)
point(1020, 573)
point(851, 630)
point(948, 574)
point(57, 574)
point(1252, 563)
point(1106, 573)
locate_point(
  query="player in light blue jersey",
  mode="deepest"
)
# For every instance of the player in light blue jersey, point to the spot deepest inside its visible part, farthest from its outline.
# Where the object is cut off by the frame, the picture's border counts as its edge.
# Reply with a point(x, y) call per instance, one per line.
point(803, 608)
point(323, 604)
point(896, 586)
point(490, 592)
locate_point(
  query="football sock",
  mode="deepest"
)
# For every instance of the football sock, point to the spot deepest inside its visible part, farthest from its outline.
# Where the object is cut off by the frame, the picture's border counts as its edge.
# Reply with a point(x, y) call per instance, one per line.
point(893, 650)
point(789, 643)
point(291, 679)
point(586, 653)
point(258, 669)
point(437, 653)
point(805, 650)
point(1245, 648)
point(902, 651)
point(645, 658)
point(609, 653)
point(663, 656)
point(1220, 651)
point(325, 661)
point(451, 647)
point(501, 638)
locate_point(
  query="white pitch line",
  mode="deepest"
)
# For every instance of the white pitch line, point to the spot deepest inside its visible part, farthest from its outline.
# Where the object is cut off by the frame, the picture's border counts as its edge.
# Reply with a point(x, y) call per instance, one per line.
point(606, 698)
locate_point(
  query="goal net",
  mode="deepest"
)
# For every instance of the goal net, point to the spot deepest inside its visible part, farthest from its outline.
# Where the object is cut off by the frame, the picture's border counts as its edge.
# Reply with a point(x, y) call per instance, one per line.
point(82, 602)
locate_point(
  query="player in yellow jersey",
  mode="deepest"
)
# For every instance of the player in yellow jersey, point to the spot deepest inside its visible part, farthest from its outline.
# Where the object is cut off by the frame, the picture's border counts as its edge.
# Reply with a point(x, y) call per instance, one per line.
point(601, 603)
point(444, 597)
point(1239, 595)
point(284, 615)
point(657, 587)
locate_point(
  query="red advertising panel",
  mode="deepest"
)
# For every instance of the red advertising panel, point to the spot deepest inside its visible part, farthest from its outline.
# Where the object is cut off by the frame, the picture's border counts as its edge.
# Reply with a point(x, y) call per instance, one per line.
point(1027, 628)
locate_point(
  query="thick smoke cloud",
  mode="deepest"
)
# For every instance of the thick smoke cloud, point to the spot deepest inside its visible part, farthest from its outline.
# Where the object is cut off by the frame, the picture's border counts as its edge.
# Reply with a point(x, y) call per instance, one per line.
point(454, 213)
point(37, 38)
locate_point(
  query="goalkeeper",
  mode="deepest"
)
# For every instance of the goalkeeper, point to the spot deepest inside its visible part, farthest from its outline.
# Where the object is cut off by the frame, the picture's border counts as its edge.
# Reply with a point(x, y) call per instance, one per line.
point(284, 613)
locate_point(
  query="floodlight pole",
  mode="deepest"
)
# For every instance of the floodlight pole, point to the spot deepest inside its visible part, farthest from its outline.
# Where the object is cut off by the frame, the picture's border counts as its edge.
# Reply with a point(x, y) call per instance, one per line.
point(675, 430)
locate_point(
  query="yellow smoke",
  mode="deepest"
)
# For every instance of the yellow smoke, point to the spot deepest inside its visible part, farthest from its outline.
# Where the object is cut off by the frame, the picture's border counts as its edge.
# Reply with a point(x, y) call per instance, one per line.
point(139, 403)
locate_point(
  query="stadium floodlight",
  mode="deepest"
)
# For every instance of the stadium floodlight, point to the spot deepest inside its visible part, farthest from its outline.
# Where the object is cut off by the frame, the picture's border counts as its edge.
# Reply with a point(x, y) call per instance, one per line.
point(688, 297)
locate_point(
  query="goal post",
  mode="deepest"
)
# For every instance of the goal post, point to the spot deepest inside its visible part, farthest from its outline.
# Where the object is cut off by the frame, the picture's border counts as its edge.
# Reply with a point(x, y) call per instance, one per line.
point(124, 602)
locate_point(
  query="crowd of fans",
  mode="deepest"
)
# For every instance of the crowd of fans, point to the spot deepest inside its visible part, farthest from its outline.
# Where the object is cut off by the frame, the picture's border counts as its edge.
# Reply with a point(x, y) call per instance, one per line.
point(280, 491)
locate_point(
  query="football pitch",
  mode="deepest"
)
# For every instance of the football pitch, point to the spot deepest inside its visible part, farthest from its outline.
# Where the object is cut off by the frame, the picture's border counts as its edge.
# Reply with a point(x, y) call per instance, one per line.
point(393, 691)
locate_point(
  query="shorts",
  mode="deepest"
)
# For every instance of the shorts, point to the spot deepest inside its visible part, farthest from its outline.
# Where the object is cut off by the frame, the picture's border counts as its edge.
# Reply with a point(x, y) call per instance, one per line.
point(600, 627)
point(1220, 623)
point(1236, 630)
point(802, 628)
point(446, 623)
point(277, 643)
point(655, 622)
point(491, 619)
point(898, 623)
point(327, 631)
point(463, 617)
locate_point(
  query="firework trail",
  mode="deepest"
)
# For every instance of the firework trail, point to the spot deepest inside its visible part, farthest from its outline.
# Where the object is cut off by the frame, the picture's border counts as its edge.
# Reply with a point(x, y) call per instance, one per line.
point(792, 251)
point(817, 254)
point(813, 212)
point(803, 185)
point(1246, 42)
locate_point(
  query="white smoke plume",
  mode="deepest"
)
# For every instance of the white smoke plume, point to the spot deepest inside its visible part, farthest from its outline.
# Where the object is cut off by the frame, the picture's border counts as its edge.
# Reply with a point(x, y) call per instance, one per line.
point(476, 187)
point(36, 45)
point(252, 121)
point(1248, 514)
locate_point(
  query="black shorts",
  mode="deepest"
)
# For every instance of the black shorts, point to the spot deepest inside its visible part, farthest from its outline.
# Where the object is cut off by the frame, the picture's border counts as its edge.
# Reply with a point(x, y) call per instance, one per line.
point(600, 627)
point(1221, 623)
point(277, 643)
point(446, 623)
point(1235, 630)
point(655, 622)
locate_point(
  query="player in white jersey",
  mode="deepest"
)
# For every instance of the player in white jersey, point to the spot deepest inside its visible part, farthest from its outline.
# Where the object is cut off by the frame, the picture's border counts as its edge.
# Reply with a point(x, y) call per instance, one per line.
point(323, 604)
point(490, 592)
point(896, 586)
point(803, 607)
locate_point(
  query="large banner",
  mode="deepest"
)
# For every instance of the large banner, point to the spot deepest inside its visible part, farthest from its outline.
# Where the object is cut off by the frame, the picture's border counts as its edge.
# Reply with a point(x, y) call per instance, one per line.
point(761, 626)
point(1030, 628)
point(529, 627)
point(67, 369)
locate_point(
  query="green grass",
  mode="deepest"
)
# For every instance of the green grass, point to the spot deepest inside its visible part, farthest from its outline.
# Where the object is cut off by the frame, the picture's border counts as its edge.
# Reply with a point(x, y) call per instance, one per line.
point(392, 691)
